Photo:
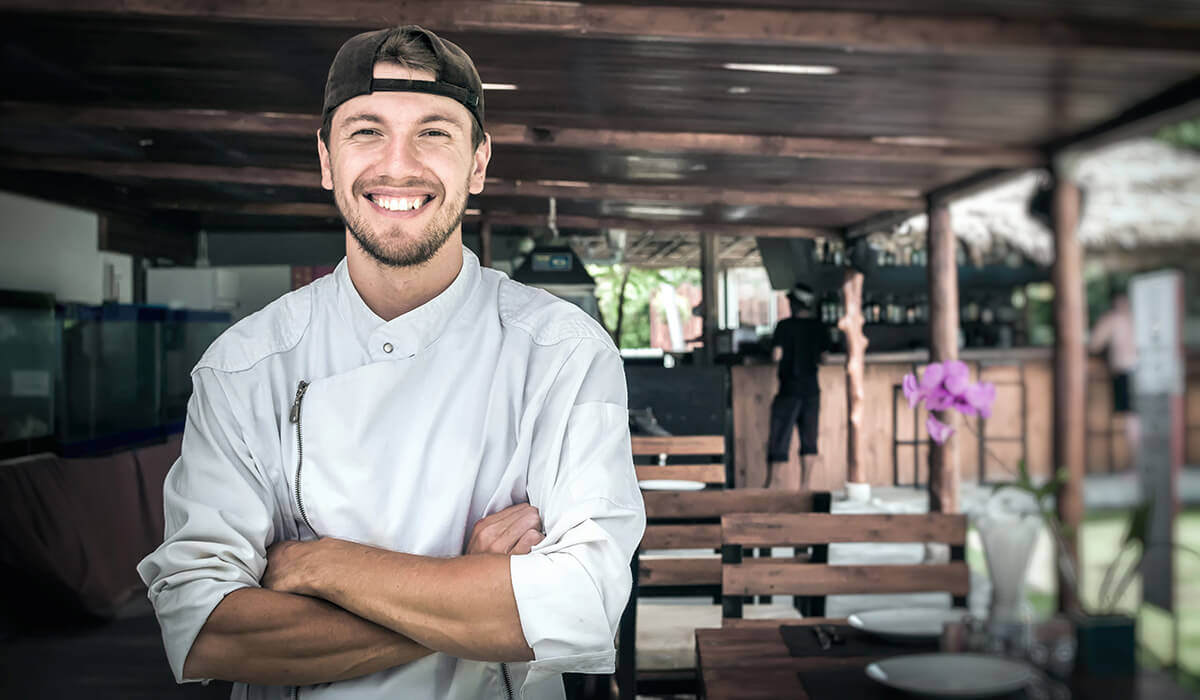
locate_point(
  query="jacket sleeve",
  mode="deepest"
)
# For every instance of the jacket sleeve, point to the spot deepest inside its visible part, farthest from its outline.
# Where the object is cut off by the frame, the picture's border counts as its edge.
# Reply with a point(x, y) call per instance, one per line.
point(572, 588)
point(219, 520)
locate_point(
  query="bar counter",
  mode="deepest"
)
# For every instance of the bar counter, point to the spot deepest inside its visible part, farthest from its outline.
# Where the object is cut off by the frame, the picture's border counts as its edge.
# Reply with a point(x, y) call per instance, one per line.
point(895, 437)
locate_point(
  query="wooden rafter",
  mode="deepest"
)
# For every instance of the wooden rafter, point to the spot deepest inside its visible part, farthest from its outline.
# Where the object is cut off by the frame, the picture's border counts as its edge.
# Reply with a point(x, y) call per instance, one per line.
point(508, 134)
point(798, 28)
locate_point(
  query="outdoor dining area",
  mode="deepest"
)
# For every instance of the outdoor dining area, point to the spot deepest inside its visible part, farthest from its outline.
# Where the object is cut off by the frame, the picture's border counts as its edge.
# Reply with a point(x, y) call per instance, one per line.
point(984, 216)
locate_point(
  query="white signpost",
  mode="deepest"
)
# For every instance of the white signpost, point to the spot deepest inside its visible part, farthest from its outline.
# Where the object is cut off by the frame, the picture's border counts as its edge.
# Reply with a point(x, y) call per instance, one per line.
point(1157, 304)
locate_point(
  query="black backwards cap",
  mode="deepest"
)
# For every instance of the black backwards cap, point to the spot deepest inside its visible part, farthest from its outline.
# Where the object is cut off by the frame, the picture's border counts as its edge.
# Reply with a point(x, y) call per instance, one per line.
point(352, 72)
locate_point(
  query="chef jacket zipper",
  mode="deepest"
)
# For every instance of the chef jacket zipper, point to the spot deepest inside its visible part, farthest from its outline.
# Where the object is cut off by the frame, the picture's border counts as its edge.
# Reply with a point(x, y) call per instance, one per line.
point(508, 694)
point(295, 418)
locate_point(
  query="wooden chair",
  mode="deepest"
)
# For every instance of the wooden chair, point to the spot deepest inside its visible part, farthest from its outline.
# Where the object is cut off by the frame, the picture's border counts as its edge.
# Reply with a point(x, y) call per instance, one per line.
point(704, 454)
point(817, 577)
point(688, 520)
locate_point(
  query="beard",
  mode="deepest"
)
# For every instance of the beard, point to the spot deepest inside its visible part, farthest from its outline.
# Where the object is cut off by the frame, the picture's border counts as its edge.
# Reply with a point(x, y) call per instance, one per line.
point(397, 249)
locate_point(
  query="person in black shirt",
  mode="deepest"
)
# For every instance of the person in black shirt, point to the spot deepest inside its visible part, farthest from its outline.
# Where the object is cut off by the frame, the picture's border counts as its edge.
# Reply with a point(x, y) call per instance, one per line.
point(798, 344)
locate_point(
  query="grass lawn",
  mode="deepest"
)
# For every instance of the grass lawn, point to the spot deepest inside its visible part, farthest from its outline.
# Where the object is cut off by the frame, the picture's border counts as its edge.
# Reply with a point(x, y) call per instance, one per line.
point(1101, 534)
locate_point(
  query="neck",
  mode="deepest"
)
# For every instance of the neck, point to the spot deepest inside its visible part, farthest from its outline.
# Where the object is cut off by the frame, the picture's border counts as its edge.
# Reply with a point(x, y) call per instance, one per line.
point(394, 291)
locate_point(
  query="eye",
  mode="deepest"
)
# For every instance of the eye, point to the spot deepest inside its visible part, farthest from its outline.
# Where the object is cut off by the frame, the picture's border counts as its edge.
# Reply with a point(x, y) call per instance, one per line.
point(365, 132)
point(436, 132)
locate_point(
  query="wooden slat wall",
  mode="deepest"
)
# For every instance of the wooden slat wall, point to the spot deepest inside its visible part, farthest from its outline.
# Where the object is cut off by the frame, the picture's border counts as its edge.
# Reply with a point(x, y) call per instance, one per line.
point(761, 530)
point(771, 578)
point(678, 445)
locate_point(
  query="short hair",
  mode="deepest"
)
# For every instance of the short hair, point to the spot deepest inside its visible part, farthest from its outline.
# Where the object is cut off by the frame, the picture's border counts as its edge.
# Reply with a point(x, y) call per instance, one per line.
point(800, 296)
point(409, 50)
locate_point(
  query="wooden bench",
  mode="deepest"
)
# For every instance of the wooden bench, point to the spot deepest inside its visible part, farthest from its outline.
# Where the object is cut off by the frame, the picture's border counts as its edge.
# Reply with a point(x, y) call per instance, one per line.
point(817, 577)
point(704, 455)
point(688, 520)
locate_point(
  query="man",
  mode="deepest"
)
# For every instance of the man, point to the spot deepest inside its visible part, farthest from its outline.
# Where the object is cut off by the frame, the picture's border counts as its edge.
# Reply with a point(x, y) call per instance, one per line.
point(1114, 331)
point(797, 346)
point(370, 462)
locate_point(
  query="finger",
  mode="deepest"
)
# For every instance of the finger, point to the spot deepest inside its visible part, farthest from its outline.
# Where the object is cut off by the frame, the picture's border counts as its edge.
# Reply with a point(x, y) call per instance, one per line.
point(490, 530)
point(529, 520)
point(503, 518)
point(527, 542)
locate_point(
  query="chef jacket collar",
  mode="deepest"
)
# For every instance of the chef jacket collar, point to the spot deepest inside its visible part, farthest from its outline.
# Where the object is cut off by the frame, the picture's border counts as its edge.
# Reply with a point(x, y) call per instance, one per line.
point(412, 332)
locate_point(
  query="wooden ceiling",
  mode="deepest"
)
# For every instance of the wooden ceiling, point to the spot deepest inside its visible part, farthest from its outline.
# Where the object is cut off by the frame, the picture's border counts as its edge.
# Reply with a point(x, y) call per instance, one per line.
point(175, 116)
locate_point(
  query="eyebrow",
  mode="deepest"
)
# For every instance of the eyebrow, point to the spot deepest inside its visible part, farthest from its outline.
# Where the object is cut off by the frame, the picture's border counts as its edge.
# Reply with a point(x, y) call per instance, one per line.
point(439, 117)
point(363, 117)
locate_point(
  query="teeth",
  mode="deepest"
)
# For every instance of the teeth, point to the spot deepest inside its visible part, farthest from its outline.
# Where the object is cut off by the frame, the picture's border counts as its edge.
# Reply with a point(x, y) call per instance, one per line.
point(398, 203)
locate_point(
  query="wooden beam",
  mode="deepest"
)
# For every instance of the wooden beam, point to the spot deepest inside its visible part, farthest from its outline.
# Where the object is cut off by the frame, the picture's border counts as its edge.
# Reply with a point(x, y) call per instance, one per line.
point(773, 146)
point(1070, 368)
point(506, 134)
point(317, 210)
point(805, 197)
point(708, 296)
point(277, 177)
point(1176, 104)
point(586, 222)
point(942, 274)
point(874, 31)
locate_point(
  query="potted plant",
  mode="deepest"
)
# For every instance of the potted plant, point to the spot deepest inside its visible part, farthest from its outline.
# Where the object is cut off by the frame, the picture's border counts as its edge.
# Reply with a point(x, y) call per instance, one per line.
point(1106, 640)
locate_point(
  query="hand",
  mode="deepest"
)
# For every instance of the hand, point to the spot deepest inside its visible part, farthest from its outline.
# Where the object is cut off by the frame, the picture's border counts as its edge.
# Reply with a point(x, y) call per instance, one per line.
point(514, 530)
point(291, 567)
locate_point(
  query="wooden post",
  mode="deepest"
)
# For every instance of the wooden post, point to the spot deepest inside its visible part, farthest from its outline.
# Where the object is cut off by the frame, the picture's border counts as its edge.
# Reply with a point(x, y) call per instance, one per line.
point(856, 349)
point(943, 345)
point(1070, 367)
point(708, 284)
point(485, 242)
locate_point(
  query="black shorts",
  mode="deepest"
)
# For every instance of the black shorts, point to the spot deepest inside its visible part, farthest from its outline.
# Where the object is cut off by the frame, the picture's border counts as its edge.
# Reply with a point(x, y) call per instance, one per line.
point(1120, 387)
point(802, 411)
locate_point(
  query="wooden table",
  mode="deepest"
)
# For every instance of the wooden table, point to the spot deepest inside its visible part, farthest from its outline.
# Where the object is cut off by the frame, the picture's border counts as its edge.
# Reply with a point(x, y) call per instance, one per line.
point(749, 661)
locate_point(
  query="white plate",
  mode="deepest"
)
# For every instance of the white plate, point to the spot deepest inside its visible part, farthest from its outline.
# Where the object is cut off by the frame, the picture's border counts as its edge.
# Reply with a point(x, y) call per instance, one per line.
point(952, 675)
point(906, 623)
point(670, 485)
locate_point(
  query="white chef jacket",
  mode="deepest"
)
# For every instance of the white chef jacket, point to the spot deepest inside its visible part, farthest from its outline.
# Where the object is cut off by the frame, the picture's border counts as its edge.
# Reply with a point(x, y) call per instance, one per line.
point(409, 432)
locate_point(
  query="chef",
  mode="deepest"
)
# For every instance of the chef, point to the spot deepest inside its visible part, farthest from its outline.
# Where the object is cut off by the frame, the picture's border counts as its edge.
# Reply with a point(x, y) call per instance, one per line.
point(411, 478)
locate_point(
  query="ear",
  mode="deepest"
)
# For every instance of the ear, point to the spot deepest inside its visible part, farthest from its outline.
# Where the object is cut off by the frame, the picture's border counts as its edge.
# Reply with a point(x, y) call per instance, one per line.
point(326, 167)
point(483, 155)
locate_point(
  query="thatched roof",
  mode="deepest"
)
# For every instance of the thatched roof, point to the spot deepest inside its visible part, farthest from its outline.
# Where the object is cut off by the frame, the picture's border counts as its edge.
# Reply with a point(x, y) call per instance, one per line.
point(1139, 193)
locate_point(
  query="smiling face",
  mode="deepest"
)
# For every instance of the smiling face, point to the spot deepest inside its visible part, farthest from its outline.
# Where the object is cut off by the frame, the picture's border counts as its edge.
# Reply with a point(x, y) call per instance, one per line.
point(401, 165)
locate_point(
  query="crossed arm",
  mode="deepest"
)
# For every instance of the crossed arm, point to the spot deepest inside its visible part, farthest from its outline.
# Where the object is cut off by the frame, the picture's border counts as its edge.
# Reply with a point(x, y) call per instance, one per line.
point(330, 610)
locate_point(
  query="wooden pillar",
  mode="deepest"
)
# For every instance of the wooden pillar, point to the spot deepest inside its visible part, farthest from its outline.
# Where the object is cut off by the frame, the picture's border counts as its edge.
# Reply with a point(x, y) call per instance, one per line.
point(485, 242)
point(1070, 366)
point(942, 270)
point(708, 284)
point(856, 349)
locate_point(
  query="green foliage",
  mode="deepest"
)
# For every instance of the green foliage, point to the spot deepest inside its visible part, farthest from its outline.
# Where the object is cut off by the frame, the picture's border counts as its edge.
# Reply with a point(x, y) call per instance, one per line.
point(1184, 134)
point(640, 287)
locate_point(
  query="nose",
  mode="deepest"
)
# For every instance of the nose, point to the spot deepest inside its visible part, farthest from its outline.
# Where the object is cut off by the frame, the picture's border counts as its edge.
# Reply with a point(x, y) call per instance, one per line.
point(400, 159)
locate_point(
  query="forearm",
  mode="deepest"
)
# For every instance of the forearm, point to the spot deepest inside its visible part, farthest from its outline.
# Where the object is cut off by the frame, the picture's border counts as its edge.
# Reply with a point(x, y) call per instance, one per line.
point(263, 637)
point(463, 606)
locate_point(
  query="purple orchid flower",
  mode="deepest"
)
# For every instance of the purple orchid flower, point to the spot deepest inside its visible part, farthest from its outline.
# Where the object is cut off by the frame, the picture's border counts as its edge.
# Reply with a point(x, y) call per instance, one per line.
point(938, 431)
point(958, 377)
point(980, 397)
point(912, 390)
point(945, 386)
